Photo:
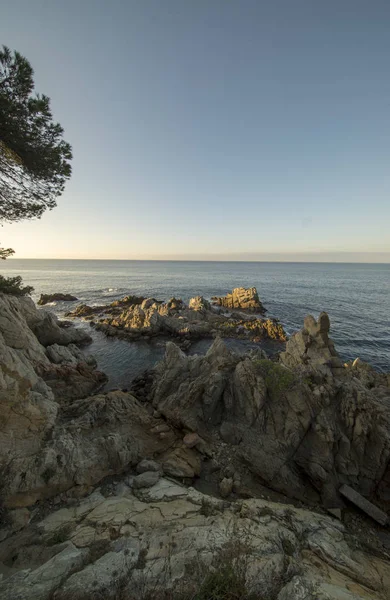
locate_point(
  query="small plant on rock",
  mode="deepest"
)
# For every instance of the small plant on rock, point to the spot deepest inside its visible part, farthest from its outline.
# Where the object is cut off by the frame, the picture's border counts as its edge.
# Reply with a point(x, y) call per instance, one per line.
point(278, 379)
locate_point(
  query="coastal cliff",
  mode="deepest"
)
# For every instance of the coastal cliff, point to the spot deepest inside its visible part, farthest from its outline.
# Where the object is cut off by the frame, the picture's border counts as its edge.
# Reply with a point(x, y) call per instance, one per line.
point(221, 461)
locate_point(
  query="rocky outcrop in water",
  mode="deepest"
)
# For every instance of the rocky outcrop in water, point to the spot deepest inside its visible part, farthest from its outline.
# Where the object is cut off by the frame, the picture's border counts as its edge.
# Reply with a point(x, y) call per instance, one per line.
point(46, 298)
point(133, 317)
point(243, 299)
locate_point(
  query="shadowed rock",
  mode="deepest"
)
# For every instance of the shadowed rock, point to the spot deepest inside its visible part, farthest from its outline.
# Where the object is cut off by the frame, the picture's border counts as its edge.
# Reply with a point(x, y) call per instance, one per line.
point(46, 298)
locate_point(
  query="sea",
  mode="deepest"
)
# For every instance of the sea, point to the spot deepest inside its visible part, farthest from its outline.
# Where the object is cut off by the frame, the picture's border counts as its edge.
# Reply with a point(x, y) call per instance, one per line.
point(356, 297)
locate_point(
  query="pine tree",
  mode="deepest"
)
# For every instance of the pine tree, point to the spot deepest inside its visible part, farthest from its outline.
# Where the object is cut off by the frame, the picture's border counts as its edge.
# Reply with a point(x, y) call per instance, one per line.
point(34, 158)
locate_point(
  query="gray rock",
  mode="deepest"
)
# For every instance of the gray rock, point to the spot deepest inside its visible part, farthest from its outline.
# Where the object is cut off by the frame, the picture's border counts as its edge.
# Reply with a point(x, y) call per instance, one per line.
point(39, 584)
point(146, 479)
point(49, 332)
point(105, 576)
point(370, 509)
point(148, 465)
point(304, 429)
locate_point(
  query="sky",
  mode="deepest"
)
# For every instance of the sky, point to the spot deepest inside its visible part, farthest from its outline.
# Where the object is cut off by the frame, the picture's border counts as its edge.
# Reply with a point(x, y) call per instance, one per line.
point(237, 129)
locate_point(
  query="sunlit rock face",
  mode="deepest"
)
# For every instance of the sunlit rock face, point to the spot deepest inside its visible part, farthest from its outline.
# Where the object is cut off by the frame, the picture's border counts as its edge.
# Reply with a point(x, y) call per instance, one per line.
point(241, 298)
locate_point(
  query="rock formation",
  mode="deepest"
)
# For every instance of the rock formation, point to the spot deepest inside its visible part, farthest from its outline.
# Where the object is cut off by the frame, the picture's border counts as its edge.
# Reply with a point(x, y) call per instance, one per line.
point(131, 542)
point(304, 431)
point(46, 298)
point(29, 386)
point(312, 345)
point(133, 317)
point(241, 298)
point(96, 498)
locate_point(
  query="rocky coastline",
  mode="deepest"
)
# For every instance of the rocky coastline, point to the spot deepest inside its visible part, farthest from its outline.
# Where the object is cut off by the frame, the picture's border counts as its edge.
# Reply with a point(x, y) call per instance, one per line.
point(207, 459)
point(237, 315)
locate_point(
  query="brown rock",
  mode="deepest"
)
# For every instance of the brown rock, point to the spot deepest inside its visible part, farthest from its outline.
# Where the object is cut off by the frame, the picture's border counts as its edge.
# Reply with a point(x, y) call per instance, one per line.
point(191, 439)
point(226, 487)
point(241, 298)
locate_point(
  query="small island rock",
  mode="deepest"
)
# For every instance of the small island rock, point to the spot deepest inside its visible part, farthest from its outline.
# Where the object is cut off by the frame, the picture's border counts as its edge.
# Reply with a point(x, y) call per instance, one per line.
point(241, 298)
point(46, 298)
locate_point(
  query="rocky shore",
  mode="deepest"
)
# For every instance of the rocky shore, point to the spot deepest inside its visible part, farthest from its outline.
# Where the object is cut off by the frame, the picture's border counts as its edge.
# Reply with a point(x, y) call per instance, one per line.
point(135, 317)
point(209, 465)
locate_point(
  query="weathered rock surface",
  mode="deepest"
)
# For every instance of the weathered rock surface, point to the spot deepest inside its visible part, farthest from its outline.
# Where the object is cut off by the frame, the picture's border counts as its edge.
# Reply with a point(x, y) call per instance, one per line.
point(312, 346)
point(48, 330)
point(38, 454)
point(68, 355)
point(241, 298)
point(46, 298)
point(127, 547)
point(199, 304)
point(304, 431)
point(133, 317)
point(71, 381)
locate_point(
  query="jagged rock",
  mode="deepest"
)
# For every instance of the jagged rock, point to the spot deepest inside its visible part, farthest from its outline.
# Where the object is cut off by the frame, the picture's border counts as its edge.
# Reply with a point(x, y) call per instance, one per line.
point(128, 300)
point(241, 298)
point(312, 345)
point(199, 304)
point(46, 298)
point(71, 381)
point(367, 374)
point(133, 317)
point(305, 431)
point(83, 310)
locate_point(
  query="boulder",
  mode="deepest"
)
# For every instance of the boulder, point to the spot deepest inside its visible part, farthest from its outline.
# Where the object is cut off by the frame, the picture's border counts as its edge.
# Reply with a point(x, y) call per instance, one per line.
point(46, 298)
point(148, 465)
point(241, 298)
point(146, 479)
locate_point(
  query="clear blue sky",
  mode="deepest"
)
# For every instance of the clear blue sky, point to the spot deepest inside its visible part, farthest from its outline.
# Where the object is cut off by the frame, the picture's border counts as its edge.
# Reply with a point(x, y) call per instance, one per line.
point(212, 127)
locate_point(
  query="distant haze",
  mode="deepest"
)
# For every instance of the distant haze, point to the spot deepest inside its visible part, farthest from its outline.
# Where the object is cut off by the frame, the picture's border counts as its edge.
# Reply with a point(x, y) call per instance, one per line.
point(213, 130)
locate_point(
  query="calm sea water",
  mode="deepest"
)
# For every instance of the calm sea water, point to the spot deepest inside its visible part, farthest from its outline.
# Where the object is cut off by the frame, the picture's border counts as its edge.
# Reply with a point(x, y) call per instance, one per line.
point(356, 297)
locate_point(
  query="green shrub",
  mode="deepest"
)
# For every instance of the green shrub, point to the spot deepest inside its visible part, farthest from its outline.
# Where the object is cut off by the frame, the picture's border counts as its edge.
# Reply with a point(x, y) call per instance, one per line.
point(278, 379)
point(13, 285)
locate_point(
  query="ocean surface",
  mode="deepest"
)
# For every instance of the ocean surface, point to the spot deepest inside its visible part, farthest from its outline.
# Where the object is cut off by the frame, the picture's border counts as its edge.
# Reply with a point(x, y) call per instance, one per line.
point(356, 297)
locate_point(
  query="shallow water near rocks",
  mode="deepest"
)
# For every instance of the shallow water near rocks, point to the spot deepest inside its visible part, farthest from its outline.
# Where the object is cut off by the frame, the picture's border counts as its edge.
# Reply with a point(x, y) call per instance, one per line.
point(356, 297)
point(122, 361)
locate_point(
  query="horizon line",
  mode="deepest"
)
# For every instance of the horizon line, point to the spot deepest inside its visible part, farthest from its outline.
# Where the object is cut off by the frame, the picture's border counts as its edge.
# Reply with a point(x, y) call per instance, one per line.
point(227, 260)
